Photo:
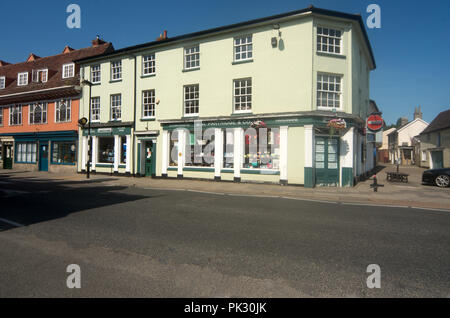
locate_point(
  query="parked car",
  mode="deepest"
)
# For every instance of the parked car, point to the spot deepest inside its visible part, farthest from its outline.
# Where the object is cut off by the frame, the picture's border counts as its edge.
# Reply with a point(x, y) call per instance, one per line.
point(439, 177)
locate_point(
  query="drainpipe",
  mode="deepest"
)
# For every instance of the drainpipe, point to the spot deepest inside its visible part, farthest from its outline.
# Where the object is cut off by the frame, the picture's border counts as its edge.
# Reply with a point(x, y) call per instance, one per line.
point(134, 118)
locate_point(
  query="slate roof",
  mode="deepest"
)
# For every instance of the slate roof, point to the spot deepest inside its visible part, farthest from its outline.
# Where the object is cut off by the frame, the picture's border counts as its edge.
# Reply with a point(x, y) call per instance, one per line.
point(441, 121)
point(53, 64)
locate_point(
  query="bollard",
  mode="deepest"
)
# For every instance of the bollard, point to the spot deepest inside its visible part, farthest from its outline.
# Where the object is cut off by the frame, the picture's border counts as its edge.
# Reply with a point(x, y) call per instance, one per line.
point(375, 184)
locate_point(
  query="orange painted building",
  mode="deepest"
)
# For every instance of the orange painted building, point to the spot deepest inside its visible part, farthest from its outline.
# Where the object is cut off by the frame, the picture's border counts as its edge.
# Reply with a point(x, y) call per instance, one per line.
point(39, 107)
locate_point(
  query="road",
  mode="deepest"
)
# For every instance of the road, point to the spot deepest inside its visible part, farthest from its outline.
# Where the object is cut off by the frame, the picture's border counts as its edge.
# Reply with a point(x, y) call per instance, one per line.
point(132, 242)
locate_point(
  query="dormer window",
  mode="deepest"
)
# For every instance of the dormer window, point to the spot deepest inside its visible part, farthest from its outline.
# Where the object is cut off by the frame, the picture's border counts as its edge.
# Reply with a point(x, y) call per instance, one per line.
point(68, 70)
point(2, 82)
point(22, 79)
point(40, 76)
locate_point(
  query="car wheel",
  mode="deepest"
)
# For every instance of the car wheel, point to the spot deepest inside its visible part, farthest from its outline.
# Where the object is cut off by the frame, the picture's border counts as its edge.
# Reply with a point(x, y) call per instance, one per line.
point(442, 181)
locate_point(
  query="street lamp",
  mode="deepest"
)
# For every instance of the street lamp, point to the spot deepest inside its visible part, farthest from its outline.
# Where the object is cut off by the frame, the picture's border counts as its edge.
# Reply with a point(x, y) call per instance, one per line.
point(88, 165)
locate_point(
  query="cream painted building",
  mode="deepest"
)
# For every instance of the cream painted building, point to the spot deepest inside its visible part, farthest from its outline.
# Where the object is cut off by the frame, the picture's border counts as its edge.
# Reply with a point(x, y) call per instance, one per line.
point(291, 74)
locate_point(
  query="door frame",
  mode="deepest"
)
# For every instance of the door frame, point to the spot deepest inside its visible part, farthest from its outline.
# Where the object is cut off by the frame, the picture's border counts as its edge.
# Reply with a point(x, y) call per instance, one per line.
point(327, 137)
point(41, 144)
point(142, 156)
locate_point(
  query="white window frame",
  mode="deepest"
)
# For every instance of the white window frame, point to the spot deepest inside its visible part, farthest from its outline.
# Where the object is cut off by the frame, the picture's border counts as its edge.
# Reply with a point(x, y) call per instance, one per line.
point(94, 118)
point(328, 91)
point(99, 71)
point(238, 46)
point(25, 78)
point(193, 53)
point(116, 107)
point(328, 38)
point(149, 64)
point(68, 111)
point(71, 70)
point(44, 79)
point(20, 112)
point(116, 68)
point(246, 95)
point(2, 82)
point(148, 101)
point(188, 100)
point(32, 112)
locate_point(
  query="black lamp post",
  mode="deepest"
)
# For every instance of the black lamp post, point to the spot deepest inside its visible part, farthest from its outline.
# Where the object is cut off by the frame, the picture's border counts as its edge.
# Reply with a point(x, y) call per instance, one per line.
point(88, 165)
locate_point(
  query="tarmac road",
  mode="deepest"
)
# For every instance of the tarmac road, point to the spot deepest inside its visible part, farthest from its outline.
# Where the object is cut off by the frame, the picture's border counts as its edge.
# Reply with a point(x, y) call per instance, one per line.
point(132, 242)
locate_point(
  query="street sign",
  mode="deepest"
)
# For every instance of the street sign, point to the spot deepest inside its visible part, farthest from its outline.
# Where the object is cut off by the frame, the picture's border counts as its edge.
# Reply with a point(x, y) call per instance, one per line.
point(374, 122)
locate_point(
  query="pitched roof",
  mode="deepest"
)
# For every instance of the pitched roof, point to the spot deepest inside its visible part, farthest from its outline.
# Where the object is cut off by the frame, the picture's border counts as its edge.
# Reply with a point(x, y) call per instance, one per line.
point(411, 123)
point(311, 9)
point(54, 65)
point(441, 121)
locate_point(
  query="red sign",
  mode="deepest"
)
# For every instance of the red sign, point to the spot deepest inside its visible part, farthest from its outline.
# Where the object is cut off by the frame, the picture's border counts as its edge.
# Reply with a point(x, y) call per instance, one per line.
point(374, 122)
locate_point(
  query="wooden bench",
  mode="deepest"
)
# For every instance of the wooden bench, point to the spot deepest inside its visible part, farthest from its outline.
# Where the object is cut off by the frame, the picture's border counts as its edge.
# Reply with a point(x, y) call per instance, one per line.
point(397, 177)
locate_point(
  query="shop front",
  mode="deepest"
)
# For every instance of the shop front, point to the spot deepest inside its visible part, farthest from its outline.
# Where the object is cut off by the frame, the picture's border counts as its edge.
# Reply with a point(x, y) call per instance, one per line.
point(111, 150)
point(46, 151)
point(298, 150)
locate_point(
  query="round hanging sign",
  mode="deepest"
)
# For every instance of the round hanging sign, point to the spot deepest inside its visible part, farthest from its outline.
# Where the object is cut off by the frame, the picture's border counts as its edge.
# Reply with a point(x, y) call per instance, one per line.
point(374, 122)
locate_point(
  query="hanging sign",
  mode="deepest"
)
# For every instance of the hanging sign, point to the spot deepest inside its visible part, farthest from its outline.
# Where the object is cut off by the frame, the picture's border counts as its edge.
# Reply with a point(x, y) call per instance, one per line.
point(374, 122)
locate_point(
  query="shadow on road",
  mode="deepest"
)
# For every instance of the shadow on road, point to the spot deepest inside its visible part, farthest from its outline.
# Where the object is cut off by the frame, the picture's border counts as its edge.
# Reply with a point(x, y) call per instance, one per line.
point(32, 200)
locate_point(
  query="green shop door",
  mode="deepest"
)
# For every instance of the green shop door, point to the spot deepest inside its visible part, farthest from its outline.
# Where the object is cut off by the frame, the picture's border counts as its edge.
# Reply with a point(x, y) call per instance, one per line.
point(327, 165)
point(150, 158)
point(43, 156)
point(7, 157)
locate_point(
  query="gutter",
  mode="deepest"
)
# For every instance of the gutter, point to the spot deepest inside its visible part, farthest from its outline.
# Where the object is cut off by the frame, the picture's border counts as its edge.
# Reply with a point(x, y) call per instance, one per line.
point(41, 90)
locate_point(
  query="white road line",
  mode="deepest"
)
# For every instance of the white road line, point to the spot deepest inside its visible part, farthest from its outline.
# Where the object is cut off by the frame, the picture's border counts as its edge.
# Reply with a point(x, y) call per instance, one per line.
point(11, 222)
point(376, 205)
point(301, 199)
point(439, 210)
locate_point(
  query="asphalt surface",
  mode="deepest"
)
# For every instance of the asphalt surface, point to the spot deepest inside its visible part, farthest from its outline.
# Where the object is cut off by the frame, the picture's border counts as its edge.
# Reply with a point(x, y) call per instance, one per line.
point(132, 242)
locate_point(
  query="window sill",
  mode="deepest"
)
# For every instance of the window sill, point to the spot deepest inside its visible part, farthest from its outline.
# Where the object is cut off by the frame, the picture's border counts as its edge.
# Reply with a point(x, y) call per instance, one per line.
point(40, 124)
point(330, 109)
point(189, 116)
point(199, 169)
point(104, 165)
point(185, 70)
point(115, 121)
point(260, 171)
point(25, 163)
point(115, 81)
point(63, 164)
point(148, 119)
point(342, 56)
point(241, 114)
point(63, 122)
point(148, 75)
point(242, 62)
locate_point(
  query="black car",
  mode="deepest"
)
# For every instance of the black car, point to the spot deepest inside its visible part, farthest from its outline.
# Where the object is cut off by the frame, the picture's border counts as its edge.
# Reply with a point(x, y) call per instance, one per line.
point(439, 177)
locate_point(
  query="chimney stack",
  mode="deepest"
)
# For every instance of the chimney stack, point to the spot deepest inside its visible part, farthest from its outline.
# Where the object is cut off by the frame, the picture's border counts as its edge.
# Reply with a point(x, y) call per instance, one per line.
point(3, 63)
point(97, 41)
point(417, 113)
point(162, 36)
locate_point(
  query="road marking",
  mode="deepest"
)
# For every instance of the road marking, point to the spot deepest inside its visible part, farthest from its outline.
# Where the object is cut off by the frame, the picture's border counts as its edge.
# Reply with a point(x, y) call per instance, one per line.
point(11, 222)
point(301, 199)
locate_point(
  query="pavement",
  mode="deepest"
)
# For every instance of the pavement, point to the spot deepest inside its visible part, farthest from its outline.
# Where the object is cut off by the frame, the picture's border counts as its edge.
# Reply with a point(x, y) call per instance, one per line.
point(411, 194)
point(141, 241)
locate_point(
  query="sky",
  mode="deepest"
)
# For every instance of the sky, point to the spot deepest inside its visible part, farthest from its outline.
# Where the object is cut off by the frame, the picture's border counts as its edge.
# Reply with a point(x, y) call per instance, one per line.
point(412, 47)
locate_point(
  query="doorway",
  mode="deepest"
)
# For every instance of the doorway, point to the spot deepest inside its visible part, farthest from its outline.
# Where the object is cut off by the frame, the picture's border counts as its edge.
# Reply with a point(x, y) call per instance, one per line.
point(326, 161)
point(7, 157)
point(43, 156)
point(150, 158)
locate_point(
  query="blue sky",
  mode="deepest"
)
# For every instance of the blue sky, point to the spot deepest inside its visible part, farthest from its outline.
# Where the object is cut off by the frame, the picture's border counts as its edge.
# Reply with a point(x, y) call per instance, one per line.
point(412, 48)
